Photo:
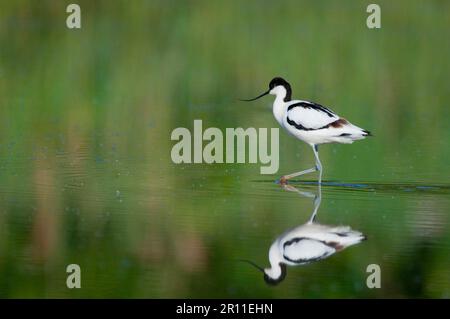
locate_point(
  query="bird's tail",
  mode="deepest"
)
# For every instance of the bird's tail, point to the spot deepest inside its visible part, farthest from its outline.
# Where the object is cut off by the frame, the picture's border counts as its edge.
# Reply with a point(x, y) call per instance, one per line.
point(348, 236)
point(368, 133)
point(355, 133)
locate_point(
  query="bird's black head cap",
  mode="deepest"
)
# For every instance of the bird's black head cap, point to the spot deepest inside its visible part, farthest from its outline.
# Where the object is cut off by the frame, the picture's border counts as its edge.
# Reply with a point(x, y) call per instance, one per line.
point(275, 281)
point(274, 83)
point(280, 81)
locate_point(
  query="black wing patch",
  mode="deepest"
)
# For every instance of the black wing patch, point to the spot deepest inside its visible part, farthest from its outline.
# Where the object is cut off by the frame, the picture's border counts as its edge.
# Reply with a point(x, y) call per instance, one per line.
point(312, 105)
point(309, 260)
point(322, 110)
point(298, 126)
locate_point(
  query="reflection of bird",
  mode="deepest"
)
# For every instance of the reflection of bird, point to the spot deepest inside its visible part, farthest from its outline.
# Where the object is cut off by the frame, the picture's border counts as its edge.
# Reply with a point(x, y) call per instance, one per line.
point(309, 122)
point(306, 243)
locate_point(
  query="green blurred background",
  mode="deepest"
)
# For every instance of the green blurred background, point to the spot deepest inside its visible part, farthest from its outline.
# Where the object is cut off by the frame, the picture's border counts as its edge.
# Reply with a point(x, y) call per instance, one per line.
point(86, 175)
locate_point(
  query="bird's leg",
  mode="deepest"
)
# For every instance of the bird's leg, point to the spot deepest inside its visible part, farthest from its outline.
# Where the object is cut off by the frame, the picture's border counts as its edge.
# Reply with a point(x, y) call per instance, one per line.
point(317, 200)
point(285, 178)
point(318, 167)
point(318, 163)
point(291, 188)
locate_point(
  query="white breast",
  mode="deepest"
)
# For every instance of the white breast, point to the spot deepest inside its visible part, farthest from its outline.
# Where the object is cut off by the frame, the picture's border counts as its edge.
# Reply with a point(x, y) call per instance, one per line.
point(279, 110)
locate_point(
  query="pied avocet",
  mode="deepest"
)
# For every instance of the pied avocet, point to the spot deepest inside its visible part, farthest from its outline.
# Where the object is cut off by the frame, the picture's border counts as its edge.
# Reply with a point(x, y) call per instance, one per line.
point(310, 122)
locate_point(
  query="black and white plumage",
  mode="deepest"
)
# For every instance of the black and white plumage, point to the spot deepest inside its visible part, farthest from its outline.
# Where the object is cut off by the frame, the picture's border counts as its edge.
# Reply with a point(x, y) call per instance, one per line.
point(316, 124)
point(307, 243)
point(310, 122)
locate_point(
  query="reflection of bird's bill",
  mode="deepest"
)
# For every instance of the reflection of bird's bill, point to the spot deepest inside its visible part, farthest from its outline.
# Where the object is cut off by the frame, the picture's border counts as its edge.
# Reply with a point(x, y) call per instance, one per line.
point(269, 280)
point(252, 263)
point(259, 96)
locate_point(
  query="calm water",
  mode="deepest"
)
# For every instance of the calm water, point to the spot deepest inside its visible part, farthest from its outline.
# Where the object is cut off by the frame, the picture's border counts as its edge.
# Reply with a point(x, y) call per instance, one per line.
point(139, 230)
point(86, 175)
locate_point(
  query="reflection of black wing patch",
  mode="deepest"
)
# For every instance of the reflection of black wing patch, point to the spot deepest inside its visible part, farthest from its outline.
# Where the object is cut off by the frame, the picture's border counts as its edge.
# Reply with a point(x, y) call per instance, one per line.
point(302, 250)
point(342, 234)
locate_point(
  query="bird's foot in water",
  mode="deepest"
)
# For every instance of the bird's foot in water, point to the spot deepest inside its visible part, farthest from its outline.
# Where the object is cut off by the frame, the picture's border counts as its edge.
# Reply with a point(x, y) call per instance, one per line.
point(282, 181)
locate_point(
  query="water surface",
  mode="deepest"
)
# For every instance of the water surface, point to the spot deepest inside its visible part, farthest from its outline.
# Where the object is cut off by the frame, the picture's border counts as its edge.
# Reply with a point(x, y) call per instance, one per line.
point(86, 175)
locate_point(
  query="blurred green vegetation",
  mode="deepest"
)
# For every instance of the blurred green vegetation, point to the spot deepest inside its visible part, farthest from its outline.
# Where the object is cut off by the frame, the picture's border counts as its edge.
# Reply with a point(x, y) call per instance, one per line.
point(85, 169)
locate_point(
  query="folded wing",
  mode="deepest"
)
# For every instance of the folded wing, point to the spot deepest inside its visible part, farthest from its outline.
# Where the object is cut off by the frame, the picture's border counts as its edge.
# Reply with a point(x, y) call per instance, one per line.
point(308, 116)
point(305, 250)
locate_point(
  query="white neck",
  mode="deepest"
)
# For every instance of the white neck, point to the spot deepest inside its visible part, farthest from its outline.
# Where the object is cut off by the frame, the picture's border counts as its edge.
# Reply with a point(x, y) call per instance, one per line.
point(275, 259)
